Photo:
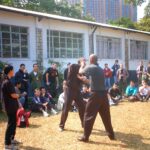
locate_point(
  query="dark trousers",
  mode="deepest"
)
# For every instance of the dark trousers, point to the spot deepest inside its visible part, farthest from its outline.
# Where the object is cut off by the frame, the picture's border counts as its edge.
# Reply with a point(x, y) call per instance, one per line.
point(11, 128)
point(69, 96)
point(98, 102)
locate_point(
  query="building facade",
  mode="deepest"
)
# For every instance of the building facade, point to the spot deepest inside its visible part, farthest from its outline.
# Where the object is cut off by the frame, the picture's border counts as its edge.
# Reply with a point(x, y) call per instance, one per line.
point(73, 2)
point(106, 10)
point(29, 37)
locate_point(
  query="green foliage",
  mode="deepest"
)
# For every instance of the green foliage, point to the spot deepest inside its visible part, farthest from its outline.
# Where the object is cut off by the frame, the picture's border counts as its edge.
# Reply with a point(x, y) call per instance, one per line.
point(147, 10)
point(123, 22)
point(144, 24)
point(135, 2)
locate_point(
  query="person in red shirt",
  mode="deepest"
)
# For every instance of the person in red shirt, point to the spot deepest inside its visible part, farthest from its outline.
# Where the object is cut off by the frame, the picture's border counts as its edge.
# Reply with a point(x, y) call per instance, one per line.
point(107, 75)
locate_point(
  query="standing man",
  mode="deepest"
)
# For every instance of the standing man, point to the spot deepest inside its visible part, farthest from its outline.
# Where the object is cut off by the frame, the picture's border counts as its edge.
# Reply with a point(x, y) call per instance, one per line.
point(51, 80)
point(11, 106)
point(35, 78)
point(115, 68)
point(98, 101)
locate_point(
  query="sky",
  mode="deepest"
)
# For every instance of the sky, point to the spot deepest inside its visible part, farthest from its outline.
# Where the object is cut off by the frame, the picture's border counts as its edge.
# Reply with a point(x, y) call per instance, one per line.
point(140, 11)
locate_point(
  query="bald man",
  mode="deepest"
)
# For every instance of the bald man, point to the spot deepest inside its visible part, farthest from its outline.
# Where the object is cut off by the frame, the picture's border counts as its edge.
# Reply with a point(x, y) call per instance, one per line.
point(98, 101)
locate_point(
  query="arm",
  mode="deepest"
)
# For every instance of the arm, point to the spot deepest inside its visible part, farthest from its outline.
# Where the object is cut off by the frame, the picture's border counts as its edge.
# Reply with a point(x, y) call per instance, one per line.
point(47, 75)
point(15, 96)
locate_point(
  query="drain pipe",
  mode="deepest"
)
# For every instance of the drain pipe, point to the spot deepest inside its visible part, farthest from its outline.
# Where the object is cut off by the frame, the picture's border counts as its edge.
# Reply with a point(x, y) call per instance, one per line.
point(92, 48)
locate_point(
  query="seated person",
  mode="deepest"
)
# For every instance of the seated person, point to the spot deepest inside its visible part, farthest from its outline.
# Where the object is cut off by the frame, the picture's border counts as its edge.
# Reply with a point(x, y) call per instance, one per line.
point(85, 93)
point(114, 95)
point(131, 91)
point(61, 100)
point(48, 98)
point(144, 91)
point(39, 103)
point(21, 95)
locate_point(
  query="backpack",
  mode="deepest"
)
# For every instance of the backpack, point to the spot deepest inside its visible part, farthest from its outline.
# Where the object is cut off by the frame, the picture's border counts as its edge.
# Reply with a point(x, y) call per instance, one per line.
point(23, 118)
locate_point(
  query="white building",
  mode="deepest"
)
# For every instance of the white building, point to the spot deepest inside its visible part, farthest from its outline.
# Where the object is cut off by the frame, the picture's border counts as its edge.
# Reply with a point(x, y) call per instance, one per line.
point(28, 37)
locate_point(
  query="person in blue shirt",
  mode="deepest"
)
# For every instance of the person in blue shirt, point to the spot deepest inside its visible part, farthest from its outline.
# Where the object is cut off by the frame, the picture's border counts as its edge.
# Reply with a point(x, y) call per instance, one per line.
point(131, 91)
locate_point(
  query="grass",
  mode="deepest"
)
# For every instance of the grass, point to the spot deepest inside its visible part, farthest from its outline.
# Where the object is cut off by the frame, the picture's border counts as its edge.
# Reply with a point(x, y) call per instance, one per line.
point(131, 122)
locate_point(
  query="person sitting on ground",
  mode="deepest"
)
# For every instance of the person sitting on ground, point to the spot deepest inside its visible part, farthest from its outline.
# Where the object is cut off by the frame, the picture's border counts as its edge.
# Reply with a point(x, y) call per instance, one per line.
point(114, 95)
point(85, 93)
point(144, 91)
point(21, 95)
point(131, 91)
point(39, 103)
point(48, 98)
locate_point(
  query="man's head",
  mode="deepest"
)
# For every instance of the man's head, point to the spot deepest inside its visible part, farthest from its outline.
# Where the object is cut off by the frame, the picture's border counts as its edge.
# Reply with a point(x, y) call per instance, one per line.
point(9, 71)
point(144, 83)
point(93, 59)
point(18, 84)
point(43, 90)
point(22, 67)
point(106, 65)
point(121, 66)
point(37, 92)
point(54, 66)
point(81, 60)
point(116, 61)
point(35, 67)
point(132, 83)
point(115, 86)
point(141, 63)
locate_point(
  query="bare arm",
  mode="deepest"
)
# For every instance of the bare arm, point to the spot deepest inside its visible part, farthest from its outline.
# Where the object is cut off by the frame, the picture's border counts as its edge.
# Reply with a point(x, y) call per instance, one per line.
point(15, 96)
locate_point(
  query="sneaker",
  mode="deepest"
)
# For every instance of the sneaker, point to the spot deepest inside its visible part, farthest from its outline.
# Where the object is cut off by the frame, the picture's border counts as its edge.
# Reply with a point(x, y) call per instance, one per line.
point(15, 142)
point(53, 111)
point(45, 114)
point(11, 147)
point(61, 129)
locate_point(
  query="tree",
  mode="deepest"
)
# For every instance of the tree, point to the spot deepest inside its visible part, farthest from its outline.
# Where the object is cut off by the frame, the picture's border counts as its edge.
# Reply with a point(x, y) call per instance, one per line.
point(135, 2)
point(147, 10)
point(144, 24)
point(123, 22)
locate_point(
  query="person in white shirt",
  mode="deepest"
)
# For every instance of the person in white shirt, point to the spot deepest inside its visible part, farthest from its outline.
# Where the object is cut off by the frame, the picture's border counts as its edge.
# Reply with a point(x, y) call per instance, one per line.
point(144, 91)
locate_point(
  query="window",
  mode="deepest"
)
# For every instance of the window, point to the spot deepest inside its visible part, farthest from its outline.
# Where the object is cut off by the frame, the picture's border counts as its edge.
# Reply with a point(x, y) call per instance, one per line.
point(64, 44)
point(138, 50)
point(13, 41)
point(108, 47)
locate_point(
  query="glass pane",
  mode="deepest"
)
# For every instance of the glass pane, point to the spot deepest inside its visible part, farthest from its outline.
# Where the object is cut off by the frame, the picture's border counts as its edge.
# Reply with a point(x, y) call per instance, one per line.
point(62, 34)
point(24, 39)
point(62, 53)
point(56, 42)
point(23, 30)
point(69, 53)
point(55, 33)
point(6, 51)
point(24, 52)
point(15, 38)
point(69, 43)
point(16, 51)
point(56, 52)
point(14, 29)
point(5, 28)
point(6, 35)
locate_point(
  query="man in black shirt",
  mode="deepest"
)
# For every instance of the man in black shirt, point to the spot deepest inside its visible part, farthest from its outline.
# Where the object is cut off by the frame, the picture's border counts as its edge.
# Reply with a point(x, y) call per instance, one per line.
point(11, 106)
point(51, 80)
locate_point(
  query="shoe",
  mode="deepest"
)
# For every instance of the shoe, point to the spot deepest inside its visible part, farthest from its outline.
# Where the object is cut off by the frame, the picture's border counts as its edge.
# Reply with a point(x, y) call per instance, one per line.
point(45, 114)
point(111, 137)
point(53, 111)
point(83, 139)
point(11, 147)
point(15, 142)
point(61, 129)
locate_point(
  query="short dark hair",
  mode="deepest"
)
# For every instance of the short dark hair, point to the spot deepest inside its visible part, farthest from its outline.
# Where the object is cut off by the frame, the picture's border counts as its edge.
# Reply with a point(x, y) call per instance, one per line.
point(35, 64)
point(22, 65)
point(42, 87)
point(7, 69)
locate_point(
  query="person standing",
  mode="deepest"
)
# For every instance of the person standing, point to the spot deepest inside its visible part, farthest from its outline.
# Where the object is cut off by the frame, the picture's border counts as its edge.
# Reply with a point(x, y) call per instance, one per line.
point(141, 70)
point(51, 80)
point(115, 68)
point(107, 75)
point(66, 71)
point(35, 78)
point(98, 101)
point(148, 73)
point(11, 106)
point(122, 75)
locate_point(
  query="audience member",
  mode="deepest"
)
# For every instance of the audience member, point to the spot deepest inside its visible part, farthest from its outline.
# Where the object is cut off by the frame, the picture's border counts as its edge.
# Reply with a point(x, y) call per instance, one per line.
point(122, 75)
point(148, 73)
point(144, 91)
point(35, 78)
point(140, 72)
point(107, 75)
point(39, 103)
point(51, 80)
point(66, 71)
point(115, 68)
point(114, 95)
point(131, 91)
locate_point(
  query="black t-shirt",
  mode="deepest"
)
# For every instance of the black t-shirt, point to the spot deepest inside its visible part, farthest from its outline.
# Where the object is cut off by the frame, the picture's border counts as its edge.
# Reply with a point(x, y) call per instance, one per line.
point(52, 74)
point(114, 92)
point(11, 104)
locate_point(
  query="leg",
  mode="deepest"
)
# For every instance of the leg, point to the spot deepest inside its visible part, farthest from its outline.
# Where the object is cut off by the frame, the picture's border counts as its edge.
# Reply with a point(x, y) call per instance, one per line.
point(11, 128)
point(106, 118)
point(68, 96)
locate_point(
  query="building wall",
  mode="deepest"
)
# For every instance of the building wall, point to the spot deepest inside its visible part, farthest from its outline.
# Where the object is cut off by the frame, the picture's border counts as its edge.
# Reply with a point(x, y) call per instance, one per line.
point(44, 24)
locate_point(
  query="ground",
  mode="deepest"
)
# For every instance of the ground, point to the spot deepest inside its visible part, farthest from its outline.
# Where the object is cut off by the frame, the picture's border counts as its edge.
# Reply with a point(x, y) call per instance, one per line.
point(131, 122)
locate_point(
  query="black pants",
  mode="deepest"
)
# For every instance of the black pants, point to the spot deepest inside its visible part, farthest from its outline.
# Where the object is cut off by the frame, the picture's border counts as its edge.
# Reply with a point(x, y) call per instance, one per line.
point(11, 128)
point(69, 96)
point(98, 102)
